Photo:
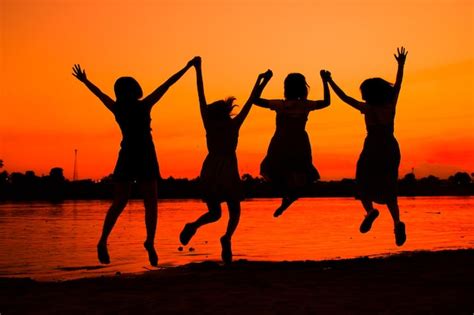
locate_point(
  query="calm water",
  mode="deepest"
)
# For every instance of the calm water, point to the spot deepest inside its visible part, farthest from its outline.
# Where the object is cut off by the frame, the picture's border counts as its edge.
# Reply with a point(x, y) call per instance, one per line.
point(57, 241)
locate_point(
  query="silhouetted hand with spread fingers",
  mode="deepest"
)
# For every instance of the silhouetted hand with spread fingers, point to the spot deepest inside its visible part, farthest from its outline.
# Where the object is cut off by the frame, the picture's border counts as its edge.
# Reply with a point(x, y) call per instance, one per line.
point(79, 73)
point(401, 55)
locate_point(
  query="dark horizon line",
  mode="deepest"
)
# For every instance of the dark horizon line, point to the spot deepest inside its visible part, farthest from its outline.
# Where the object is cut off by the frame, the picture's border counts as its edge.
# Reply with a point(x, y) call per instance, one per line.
point(71, 179)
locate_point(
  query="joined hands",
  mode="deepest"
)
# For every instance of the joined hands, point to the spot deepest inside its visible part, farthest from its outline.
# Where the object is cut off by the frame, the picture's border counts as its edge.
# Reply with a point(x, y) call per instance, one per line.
point(325, 75)
point(196, 62)
point(267, 75)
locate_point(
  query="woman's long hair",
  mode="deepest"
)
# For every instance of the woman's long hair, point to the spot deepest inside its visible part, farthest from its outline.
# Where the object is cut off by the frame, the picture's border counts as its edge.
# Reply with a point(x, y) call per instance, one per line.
point(222, 109)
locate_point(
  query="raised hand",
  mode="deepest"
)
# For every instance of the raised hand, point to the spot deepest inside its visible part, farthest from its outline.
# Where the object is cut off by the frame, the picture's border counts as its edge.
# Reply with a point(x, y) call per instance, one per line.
point(325, 75)
point(262, 81)
point(401, 55)
point(79, 73)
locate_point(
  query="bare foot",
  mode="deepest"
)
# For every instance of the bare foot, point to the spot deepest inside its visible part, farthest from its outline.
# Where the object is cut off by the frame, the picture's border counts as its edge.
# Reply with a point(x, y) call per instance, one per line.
point(226, 253)
point(400, 234)
point(103, 253)
point(285, 203)
point(366, 224)
point(187, 233)
point(152, 256)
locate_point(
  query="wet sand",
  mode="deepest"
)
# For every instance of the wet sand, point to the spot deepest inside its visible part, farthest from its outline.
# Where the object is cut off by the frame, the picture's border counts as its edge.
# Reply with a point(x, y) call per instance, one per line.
point(409, 283)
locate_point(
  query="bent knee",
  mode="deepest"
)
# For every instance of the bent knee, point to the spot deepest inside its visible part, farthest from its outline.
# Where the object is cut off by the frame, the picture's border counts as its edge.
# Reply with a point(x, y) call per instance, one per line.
point(215, 215)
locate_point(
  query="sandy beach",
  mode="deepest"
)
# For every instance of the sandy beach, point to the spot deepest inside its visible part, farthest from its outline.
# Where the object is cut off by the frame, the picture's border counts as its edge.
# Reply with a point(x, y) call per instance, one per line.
point(439, 282)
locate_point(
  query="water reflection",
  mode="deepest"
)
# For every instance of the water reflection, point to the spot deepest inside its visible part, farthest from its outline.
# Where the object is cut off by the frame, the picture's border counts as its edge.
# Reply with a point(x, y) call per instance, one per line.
point(57, 241)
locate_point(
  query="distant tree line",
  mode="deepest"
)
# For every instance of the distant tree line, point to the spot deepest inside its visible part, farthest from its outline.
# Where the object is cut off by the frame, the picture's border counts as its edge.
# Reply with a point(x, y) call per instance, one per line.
point(55, 187)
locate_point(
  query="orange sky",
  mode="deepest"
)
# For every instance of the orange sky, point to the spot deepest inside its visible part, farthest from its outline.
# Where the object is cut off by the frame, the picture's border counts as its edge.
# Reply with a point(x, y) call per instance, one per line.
point(46, 113)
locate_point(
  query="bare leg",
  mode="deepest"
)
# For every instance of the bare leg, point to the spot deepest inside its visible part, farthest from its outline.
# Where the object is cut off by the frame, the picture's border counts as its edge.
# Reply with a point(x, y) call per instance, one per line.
point(295, 183)
point(394, 210)
point(121, 192)
point(234, 217)
point(367, 204)
point(150, 201)
point(214, 213)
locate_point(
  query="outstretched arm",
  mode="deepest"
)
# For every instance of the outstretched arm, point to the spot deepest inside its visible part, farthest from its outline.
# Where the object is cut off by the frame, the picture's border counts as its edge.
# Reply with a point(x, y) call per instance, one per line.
point(80, 74)
point(345, 98)
point(257, 90)
point(400, 57)
point(325, 76)
point(261, 102)
point(156, 95)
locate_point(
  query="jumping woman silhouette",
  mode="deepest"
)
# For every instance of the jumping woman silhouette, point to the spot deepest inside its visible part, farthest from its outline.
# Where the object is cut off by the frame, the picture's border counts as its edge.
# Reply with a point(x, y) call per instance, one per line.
point(137, 158)
point(377, 168)
point(220, 180)
point(288, 164)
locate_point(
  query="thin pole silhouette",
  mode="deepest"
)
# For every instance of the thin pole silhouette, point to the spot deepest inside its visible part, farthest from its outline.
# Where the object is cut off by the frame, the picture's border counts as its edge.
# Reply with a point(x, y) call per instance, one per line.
point(74, 174)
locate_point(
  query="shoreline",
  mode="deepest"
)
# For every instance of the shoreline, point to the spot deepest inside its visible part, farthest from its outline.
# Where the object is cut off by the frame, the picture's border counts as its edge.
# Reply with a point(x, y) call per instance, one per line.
point(409, 282)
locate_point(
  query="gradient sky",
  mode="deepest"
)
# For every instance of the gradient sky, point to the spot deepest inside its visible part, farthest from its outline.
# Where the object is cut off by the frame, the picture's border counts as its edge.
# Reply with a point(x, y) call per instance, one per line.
point(46, 113)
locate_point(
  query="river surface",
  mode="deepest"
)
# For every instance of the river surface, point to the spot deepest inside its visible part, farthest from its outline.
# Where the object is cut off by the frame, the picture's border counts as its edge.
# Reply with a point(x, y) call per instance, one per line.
point(47, 241)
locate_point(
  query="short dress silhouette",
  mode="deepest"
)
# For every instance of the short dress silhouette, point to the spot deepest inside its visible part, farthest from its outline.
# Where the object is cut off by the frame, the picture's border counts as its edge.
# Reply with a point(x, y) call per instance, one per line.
point(137, 157)
point(289, 155)
point(377, 167)
point(220, 179)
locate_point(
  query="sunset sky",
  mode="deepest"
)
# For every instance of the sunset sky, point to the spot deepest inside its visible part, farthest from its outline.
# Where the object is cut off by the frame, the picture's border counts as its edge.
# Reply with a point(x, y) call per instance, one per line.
point(46, 113)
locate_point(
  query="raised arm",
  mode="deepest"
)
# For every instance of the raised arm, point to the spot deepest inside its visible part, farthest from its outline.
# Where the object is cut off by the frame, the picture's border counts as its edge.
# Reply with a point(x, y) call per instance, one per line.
point(325, 76)
point(200, 88)
point(80, 74)
point(257, 90)
point(161, 90)
point(400, 57)
point(345, 98)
